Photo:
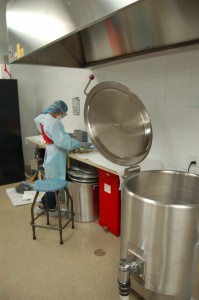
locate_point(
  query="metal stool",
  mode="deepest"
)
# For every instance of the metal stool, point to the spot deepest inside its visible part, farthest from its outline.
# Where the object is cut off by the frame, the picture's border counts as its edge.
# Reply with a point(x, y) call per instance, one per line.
point(52, 185)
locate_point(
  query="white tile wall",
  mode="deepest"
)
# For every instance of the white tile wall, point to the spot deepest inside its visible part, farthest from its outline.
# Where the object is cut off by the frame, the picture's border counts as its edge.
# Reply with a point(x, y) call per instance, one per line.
point(168, 85)
point(40, 86)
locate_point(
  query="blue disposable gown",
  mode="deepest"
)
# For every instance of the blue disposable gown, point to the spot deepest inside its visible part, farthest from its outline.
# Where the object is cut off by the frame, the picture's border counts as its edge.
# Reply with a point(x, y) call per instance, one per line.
point(56, 154)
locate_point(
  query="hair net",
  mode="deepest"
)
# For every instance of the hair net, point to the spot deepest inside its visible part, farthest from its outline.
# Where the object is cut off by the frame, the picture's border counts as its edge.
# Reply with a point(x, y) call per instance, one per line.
point(57, 107)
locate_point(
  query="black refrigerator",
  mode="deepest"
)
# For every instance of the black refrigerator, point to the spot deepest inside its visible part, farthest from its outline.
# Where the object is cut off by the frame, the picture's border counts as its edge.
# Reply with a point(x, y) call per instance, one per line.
point(11, 154)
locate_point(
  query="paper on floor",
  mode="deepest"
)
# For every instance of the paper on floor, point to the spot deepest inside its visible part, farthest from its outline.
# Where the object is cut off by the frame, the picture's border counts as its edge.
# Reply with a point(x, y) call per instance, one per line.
point(21, 199)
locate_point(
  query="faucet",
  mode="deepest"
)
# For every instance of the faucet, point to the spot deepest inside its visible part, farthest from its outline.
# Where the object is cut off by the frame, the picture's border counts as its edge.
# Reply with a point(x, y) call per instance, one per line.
point(125, 270)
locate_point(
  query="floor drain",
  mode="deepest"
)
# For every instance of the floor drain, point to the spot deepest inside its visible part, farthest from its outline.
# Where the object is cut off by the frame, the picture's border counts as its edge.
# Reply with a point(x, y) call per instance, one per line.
point(99, 252)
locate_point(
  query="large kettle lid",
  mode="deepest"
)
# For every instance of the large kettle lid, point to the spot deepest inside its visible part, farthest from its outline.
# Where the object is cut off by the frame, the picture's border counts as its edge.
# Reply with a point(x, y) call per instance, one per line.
point(118, 123)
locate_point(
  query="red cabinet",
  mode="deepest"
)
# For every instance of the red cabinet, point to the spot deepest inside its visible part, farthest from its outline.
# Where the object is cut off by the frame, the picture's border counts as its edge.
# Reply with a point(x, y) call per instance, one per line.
point(109, 202)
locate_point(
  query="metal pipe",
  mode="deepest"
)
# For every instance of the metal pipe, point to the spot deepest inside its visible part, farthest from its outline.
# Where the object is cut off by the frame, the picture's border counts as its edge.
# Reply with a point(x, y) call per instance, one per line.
point(124, 297)
point(125, 270)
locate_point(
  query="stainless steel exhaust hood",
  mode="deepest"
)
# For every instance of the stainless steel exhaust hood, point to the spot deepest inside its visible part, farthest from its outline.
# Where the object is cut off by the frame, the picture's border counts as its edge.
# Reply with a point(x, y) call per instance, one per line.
point(80, 34)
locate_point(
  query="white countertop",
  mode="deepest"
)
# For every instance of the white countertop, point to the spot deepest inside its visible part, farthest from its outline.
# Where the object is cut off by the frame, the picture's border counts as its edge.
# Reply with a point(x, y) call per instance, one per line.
point(94, 158)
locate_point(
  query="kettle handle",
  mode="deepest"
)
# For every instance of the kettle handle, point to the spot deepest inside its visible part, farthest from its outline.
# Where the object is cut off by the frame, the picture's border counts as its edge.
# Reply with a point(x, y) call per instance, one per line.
point(91, 77)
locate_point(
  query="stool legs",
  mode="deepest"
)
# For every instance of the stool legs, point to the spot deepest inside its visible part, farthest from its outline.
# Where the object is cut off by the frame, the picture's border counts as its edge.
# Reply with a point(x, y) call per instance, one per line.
point(59, 217)
point(47, 210)
point(70, 200)
point(32, 215)
point(60, 227)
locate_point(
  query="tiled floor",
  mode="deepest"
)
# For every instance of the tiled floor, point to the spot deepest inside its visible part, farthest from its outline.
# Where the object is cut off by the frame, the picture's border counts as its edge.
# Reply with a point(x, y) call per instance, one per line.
point(85, 267)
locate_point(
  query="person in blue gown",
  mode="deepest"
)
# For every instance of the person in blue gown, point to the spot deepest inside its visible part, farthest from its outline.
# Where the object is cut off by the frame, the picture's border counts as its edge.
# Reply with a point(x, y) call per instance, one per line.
point(58, 144)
